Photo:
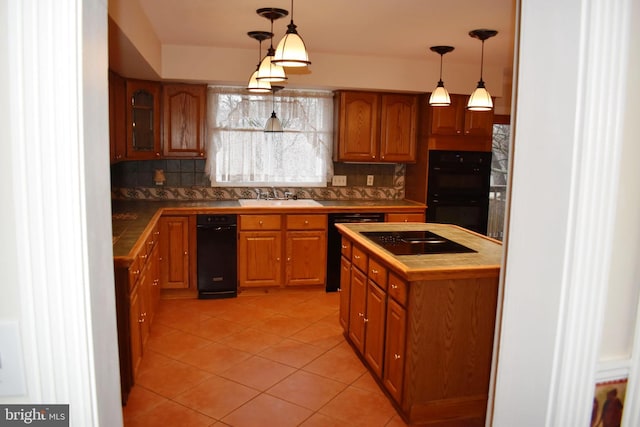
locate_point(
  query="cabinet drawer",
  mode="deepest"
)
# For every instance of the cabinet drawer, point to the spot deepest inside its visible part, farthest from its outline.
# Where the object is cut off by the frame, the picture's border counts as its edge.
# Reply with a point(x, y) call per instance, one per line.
point(398, 289)
point(405, 217)
point(260, 222)
point(345, 248)
point(306, 222)
point(359, 258)
point(378, 273)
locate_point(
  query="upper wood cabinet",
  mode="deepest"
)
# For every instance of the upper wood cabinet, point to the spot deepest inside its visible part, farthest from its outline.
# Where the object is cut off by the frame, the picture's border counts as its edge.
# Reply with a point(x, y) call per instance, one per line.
point(457, 120)
point(117, 117)
point(183, 108)
point(143, 120)
point(375, 127)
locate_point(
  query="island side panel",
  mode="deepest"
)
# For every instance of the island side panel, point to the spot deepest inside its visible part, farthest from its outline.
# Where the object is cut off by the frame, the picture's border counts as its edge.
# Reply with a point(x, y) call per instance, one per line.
point(449, 346)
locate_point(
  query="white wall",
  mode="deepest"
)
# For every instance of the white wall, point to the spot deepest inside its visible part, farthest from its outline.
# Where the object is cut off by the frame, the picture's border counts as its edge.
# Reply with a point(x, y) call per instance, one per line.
point(56, 243)
point(571, 280)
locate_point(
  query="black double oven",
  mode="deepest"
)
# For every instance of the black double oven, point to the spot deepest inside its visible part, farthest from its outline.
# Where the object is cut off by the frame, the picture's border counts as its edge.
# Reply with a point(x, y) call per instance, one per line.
point(458, 188)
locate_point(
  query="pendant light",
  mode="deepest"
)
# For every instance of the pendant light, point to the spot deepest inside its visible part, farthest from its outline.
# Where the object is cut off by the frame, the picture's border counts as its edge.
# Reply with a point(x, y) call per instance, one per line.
point(259, 86)
point(291, 51)
point(273, 123)
point(440, 97)
point(269, 71)
point(480, 99)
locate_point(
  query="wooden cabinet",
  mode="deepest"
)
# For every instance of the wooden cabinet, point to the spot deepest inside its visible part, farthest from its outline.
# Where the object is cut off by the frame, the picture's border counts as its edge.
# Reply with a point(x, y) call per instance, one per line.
point(429, 341)
point(405, 217)
point(376, 312)
point(357, 308)
point(345, 292)
point(260, 250)
point(457, 120)
point(375, 127)
point(183, 107)
point(266, 240)
point(394, 353)
point(117, 117)
point(143, 120)
point(175, 251)
point(137, 296)
point(306, 249)
point(366, 281)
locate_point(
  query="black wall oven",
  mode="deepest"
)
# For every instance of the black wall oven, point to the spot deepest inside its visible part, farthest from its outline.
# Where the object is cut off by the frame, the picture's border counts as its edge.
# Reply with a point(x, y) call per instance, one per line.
point(458, 188)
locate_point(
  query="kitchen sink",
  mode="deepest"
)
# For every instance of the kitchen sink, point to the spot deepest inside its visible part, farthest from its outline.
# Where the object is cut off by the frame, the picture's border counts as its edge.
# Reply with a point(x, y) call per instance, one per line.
point(259, 203)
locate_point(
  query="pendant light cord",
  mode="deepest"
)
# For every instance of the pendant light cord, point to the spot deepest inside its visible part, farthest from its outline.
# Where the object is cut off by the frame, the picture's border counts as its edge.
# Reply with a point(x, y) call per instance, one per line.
point(481, 60)
point(441, 55)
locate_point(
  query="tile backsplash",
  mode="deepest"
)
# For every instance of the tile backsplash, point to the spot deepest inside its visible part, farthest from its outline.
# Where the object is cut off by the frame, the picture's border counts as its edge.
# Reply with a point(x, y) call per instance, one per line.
point(186, 180)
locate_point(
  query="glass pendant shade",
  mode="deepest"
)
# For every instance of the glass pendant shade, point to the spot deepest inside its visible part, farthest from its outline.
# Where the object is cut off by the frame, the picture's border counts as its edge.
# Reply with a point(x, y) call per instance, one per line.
point(270, 72)
point(480, 99)
point(440, 97)
point(258, 86)
point(291, 51)
point(273, 124)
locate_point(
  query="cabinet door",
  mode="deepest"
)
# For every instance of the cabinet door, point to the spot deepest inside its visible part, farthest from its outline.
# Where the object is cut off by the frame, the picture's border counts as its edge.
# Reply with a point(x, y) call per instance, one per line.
point(259, 255)
point(345, 292)
point(394, 355)
point(117, 117)
point(357, 308)
point(184, 120)
point(375, 327)
point(134, 330)
point(357, 135)
point(306, 257)
point(479, 123)
point(398, 124)
point(174, 250)
point(448, 120)
point(143, 120)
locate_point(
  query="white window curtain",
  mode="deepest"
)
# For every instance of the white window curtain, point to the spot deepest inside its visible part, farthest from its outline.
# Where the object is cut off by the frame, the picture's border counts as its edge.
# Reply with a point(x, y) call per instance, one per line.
point(240, 153)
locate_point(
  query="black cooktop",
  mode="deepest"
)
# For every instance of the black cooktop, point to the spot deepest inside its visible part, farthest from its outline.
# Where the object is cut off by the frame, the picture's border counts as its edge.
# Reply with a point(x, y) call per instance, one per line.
point(415, 242)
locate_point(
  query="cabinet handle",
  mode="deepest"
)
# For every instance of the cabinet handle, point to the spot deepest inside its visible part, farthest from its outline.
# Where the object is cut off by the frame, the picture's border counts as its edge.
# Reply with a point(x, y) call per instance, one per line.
point(143, 256)
point(288, 259)
point(374, 271)
point(365, 320)
point(344, 246)
point(356, 256)
point(185, 252)
point(339, 289)
point(361, 314)
point(394, 286)
point(260, 222)
point(396, 356)
point(306, 222)
point(141, 320)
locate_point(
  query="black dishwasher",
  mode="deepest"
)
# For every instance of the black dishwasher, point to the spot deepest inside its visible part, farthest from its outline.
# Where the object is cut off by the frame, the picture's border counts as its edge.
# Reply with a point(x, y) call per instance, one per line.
point(334, 243)
point(217, 244)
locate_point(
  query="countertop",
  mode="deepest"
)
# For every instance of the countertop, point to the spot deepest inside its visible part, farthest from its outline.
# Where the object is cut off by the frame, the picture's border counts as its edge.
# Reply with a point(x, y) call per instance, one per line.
point(485, 262)
point(131, 218)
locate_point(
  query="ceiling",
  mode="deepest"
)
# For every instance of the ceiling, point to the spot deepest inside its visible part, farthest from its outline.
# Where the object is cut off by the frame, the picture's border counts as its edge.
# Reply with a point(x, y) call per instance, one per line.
point(382, 28)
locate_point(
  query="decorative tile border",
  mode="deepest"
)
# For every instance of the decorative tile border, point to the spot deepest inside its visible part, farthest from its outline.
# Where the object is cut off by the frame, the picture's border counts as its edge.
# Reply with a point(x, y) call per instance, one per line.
point(233, 193)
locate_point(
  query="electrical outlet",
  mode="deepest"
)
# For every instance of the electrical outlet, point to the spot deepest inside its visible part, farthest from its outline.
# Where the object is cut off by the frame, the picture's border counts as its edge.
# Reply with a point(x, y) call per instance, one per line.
point(339, 181)
point(369, 179)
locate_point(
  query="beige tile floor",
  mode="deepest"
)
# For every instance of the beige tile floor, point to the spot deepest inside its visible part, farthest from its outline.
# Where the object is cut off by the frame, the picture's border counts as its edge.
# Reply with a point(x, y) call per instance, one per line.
point(276, 359)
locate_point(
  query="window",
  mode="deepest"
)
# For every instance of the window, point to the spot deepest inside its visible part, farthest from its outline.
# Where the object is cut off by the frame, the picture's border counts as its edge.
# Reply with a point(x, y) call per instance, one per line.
point(241, 154)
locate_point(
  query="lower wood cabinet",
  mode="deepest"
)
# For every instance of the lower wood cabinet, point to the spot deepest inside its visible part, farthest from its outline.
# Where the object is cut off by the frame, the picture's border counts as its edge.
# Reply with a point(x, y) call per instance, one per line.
point(282, 250)
point(394, 352)
point(137, 280)
point(427, 342)
point(177, 250)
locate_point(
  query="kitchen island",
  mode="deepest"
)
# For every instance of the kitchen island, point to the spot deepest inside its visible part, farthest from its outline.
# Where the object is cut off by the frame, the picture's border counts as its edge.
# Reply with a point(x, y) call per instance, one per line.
point(423, 323)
